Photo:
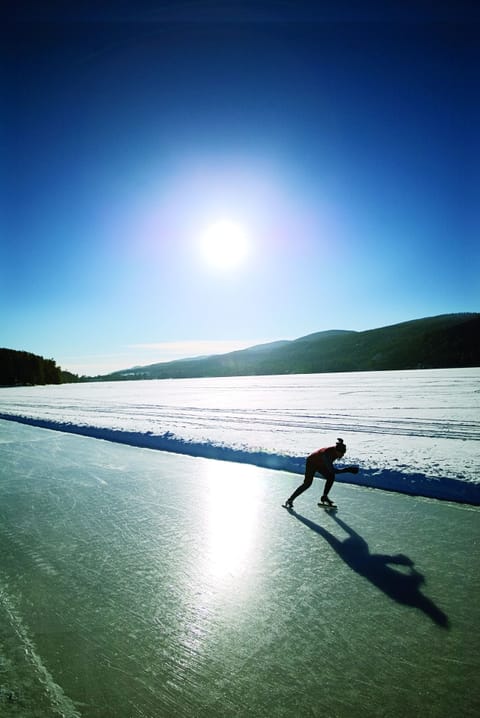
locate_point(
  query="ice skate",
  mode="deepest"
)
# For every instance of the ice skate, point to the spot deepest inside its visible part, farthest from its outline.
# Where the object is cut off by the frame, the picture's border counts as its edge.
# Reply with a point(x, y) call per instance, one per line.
point(327, 503)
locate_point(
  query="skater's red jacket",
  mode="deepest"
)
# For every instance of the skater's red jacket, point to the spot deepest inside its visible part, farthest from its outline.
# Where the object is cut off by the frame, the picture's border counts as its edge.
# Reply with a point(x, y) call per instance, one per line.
point(329, 452)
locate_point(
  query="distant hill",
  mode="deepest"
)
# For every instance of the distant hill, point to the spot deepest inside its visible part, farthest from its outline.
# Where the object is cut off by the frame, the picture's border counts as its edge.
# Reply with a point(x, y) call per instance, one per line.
point(449, 340)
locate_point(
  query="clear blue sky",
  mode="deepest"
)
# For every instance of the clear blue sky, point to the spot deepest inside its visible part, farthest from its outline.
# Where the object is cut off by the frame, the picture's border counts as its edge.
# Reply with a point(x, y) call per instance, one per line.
point(343, 143)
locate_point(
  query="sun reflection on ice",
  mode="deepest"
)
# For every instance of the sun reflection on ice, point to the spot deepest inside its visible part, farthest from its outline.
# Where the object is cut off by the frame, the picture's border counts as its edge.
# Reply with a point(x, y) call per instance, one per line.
point(232, 503)
point(216, 588)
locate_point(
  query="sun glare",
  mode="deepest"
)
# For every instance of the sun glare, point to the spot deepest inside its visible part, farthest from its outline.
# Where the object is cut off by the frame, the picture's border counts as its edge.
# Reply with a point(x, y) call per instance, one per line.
point(225, 245)
point(231, 509)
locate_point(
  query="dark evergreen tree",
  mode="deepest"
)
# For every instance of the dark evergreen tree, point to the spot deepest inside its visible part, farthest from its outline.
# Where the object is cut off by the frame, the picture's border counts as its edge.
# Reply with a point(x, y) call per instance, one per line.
point(19, 368)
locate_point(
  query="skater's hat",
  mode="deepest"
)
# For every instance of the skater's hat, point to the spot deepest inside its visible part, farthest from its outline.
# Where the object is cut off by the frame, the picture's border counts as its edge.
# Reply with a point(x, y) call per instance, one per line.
point(341, 446)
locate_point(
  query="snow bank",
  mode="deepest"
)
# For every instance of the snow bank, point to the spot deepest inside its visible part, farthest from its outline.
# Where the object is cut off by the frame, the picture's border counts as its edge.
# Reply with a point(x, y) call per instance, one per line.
point(416, 484)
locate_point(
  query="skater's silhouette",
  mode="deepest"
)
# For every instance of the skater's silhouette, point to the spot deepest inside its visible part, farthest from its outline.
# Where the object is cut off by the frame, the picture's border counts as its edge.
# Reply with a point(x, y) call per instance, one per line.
point(377, 568)
point(321, 462)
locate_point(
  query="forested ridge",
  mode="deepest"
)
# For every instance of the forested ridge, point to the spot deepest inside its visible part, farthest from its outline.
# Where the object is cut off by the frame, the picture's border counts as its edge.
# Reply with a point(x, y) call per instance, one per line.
point(22, 368)
point(445, 341)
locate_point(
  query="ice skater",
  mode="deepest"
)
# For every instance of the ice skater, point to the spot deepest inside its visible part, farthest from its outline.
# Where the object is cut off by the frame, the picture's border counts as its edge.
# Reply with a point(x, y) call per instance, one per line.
point(321, 462)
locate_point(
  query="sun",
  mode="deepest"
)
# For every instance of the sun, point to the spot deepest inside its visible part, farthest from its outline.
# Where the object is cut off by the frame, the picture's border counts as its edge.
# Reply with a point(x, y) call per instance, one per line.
point(225, 245)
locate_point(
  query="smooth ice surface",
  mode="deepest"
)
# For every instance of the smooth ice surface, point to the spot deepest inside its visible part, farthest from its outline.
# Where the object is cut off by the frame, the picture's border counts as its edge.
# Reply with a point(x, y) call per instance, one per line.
point(135, 583)
point(411, 431)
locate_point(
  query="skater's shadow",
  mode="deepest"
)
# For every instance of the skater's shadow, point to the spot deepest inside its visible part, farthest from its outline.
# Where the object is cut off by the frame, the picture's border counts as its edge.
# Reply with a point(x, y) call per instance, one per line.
point(401, 586)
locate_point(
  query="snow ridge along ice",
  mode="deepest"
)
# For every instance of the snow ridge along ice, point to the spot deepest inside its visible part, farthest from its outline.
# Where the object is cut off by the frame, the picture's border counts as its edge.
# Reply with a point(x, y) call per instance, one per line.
point(415, 432)
point(391, 480)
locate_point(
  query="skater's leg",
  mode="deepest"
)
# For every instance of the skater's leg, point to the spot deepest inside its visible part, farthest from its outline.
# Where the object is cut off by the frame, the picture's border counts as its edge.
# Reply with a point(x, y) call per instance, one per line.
point(330, 478)
point(307, 482)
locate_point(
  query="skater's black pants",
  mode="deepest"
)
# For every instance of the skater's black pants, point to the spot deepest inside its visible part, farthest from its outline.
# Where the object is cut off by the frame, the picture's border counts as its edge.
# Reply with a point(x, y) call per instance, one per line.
point(311, 468)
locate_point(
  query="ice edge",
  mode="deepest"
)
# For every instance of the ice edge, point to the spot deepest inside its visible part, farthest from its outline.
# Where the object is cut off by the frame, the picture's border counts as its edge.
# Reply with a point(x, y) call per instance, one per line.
point(417, 484)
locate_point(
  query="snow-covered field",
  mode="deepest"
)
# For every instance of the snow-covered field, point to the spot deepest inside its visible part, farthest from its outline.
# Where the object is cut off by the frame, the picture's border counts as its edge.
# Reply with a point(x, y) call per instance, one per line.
point(410, 431)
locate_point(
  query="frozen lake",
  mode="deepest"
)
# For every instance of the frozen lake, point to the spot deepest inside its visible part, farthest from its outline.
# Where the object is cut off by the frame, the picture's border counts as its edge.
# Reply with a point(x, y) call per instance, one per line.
point(136, 583)
point(411, 431)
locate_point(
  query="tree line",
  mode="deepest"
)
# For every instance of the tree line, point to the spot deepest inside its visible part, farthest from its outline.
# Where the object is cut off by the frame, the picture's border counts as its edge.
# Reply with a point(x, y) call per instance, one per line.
point(19, 368)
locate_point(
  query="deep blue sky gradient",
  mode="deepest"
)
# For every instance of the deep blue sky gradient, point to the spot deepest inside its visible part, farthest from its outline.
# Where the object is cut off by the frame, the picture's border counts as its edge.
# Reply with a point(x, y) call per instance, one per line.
point(347, 143)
